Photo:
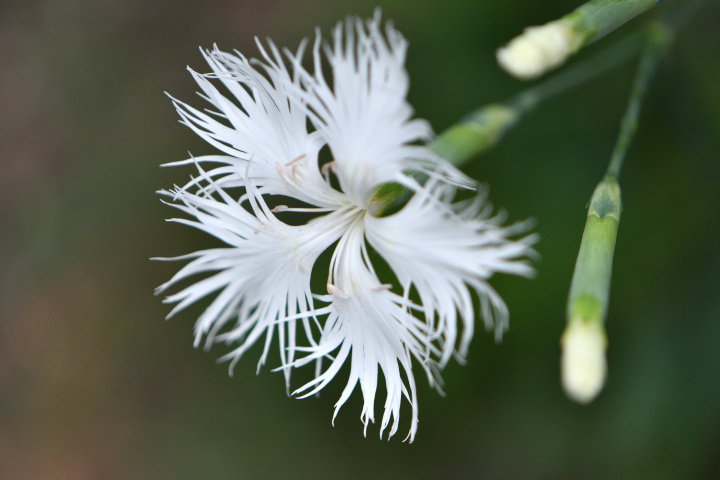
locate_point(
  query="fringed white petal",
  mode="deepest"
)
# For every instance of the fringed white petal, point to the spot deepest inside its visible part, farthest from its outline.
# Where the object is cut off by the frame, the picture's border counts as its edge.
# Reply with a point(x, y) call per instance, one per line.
point(375, 330)
point(262, 276)
point(444, 256)
point(364, 116)
point(260, 124)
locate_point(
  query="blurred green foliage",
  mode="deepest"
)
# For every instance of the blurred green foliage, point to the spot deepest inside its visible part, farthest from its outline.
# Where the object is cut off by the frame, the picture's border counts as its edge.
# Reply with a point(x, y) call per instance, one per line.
point(94, 384)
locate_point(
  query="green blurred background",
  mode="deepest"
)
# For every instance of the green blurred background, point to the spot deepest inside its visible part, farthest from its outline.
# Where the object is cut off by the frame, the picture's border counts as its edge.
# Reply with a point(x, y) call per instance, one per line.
point(94, 384)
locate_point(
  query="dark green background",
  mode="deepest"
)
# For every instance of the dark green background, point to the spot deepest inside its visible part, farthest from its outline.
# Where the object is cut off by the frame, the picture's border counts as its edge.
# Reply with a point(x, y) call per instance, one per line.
point(95, 385)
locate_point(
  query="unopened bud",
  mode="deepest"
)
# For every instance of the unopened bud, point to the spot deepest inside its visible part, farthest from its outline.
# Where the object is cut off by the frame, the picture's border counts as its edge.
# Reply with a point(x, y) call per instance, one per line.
point(539, 49)
point(583, 360)
point(476, 133)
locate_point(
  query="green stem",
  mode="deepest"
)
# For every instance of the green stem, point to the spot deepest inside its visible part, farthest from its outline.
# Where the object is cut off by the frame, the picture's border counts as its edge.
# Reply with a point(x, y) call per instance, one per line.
point(597, 18)
point(658, 39)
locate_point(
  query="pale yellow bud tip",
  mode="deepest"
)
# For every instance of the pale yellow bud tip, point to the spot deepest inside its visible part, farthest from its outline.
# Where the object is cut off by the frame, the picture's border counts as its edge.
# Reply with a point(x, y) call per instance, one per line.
point(583, 360)
point(539, 49)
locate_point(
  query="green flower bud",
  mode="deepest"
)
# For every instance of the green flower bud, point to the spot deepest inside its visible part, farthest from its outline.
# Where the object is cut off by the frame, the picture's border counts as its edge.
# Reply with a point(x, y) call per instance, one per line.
point(584, 343)
point(475, 133)
point(542, 48)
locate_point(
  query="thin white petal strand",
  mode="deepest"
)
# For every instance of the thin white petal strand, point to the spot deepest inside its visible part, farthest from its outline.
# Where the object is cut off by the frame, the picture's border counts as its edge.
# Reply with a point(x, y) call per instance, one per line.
point(443, 256)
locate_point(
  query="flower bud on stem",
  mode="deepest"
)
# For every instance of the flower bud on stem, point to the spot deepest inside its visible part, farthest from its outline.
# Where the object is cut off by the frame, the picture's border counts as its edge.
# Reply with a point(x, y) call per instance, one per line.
point(477, 132)
point(583, 359)
point(545, 47)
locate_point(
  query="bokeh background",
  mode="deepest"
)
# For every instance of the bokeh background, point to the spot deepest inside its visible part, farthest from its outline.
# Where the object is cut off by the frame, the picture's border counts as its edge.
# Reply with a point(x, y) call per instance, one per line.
point(94, 384)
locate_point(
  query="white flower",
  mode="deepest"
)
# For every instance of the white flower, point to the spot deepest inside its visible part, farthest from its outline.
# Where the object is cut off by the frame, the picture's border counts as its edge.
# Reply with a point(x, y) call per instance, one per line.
point(278, 207)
